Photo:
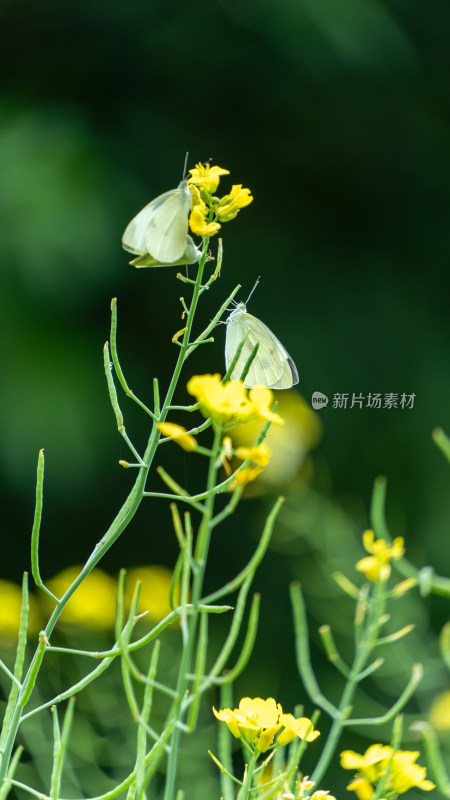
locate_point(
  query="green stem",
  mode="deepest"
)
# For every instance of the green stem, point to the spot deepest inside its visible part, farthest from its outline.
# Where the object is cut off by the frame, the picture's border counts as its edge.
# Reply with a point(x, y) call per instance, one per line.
point(246, 786)
point(363, 651)
point(121, 521)
point(201, 553)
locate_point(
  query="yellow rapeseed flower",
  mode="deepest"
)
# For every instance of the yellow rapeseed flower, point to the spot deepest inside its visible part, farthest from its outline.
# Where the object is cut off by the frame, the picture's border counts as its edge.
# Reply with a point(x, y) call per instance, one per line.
point(376, 567)
point(224, 402)
point(301, 727)
point(258, 721)
point(406, 774)
point(178, 434)
point(230, 403)
point(155, 590)
point(376, 762)
point(374, 754)
point(207, 176)
point(231, 204)
point(93, 604)
point(10, 610)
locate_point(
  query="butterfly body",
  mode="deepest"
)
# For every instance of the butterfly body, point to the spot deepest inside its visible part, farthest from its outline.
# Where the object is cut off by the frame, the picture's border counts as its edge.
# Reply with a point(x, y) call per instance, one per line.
point(272, 366)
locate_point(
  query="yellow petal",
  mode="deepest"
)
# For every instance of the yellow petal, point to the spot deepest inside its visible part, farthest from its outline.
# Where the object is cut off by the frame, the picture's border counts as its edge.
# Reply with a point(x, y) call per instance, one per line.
point(179, 434)
point(262, 399)
point(259, 455)
point(207, 176)
point(199, 225)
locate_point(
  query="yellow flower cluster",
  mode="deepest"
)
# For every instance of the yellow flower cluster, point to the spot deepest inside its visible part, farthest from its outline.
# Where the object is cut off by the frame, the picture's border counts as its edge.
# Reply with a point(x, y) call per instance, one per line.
point(231, 204)
point(258, 721)
point(197, 220)
point(376, 762)
point(228, 404)
point(207, 209)
point(376, 567)
point(231, 402)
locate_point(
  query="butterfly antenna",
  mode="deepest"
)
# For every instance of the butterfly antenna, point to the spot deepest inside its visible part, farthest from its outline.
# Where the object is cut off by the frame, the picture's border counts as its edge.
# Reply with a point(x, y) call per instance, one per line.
point(256, 284)
point(185, 165)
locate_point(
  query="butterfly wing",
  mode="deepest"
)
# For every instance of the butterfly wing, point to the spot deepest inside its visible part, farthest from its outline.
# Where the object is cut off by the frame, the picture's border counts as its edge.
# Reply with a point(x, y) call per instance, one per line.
point(272, 366)
point(160, 229)
point(167, 229)
point(289, 374)
point(191, 255)
point(134, 237)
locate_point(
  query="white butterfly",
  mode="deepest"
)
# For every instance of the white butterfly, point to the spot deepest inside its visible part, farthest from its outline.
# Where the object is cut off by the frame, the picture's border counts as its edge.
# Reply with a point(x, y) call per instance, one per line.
point(272, 366)
point(161, 228)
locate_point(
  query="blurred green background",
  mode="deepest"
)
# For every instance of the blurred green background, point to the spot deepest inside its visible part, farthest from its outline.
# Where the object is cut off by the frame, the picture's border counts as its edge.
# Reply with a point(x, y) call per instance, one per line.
point(336, 115)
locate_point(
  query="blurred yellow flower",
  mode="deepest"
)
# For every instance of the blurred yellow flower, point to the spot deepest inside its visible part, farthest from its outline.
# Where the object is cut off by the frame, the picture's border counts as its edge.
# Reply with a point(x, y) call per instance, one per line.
point(245, 476)
point(229, 402)
point(93, 604)
point(155, 590)
point(179, 434)
point(262, 399)
point(375, 754)
point(231, 204)
point(401, 588)
point(226, 454)
point(289, 444)
point(260, 454)
point(376, 762)
point(207, 176)
point(377, 567)
point(305, 784)
point(10, 609)
point(439, 715)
